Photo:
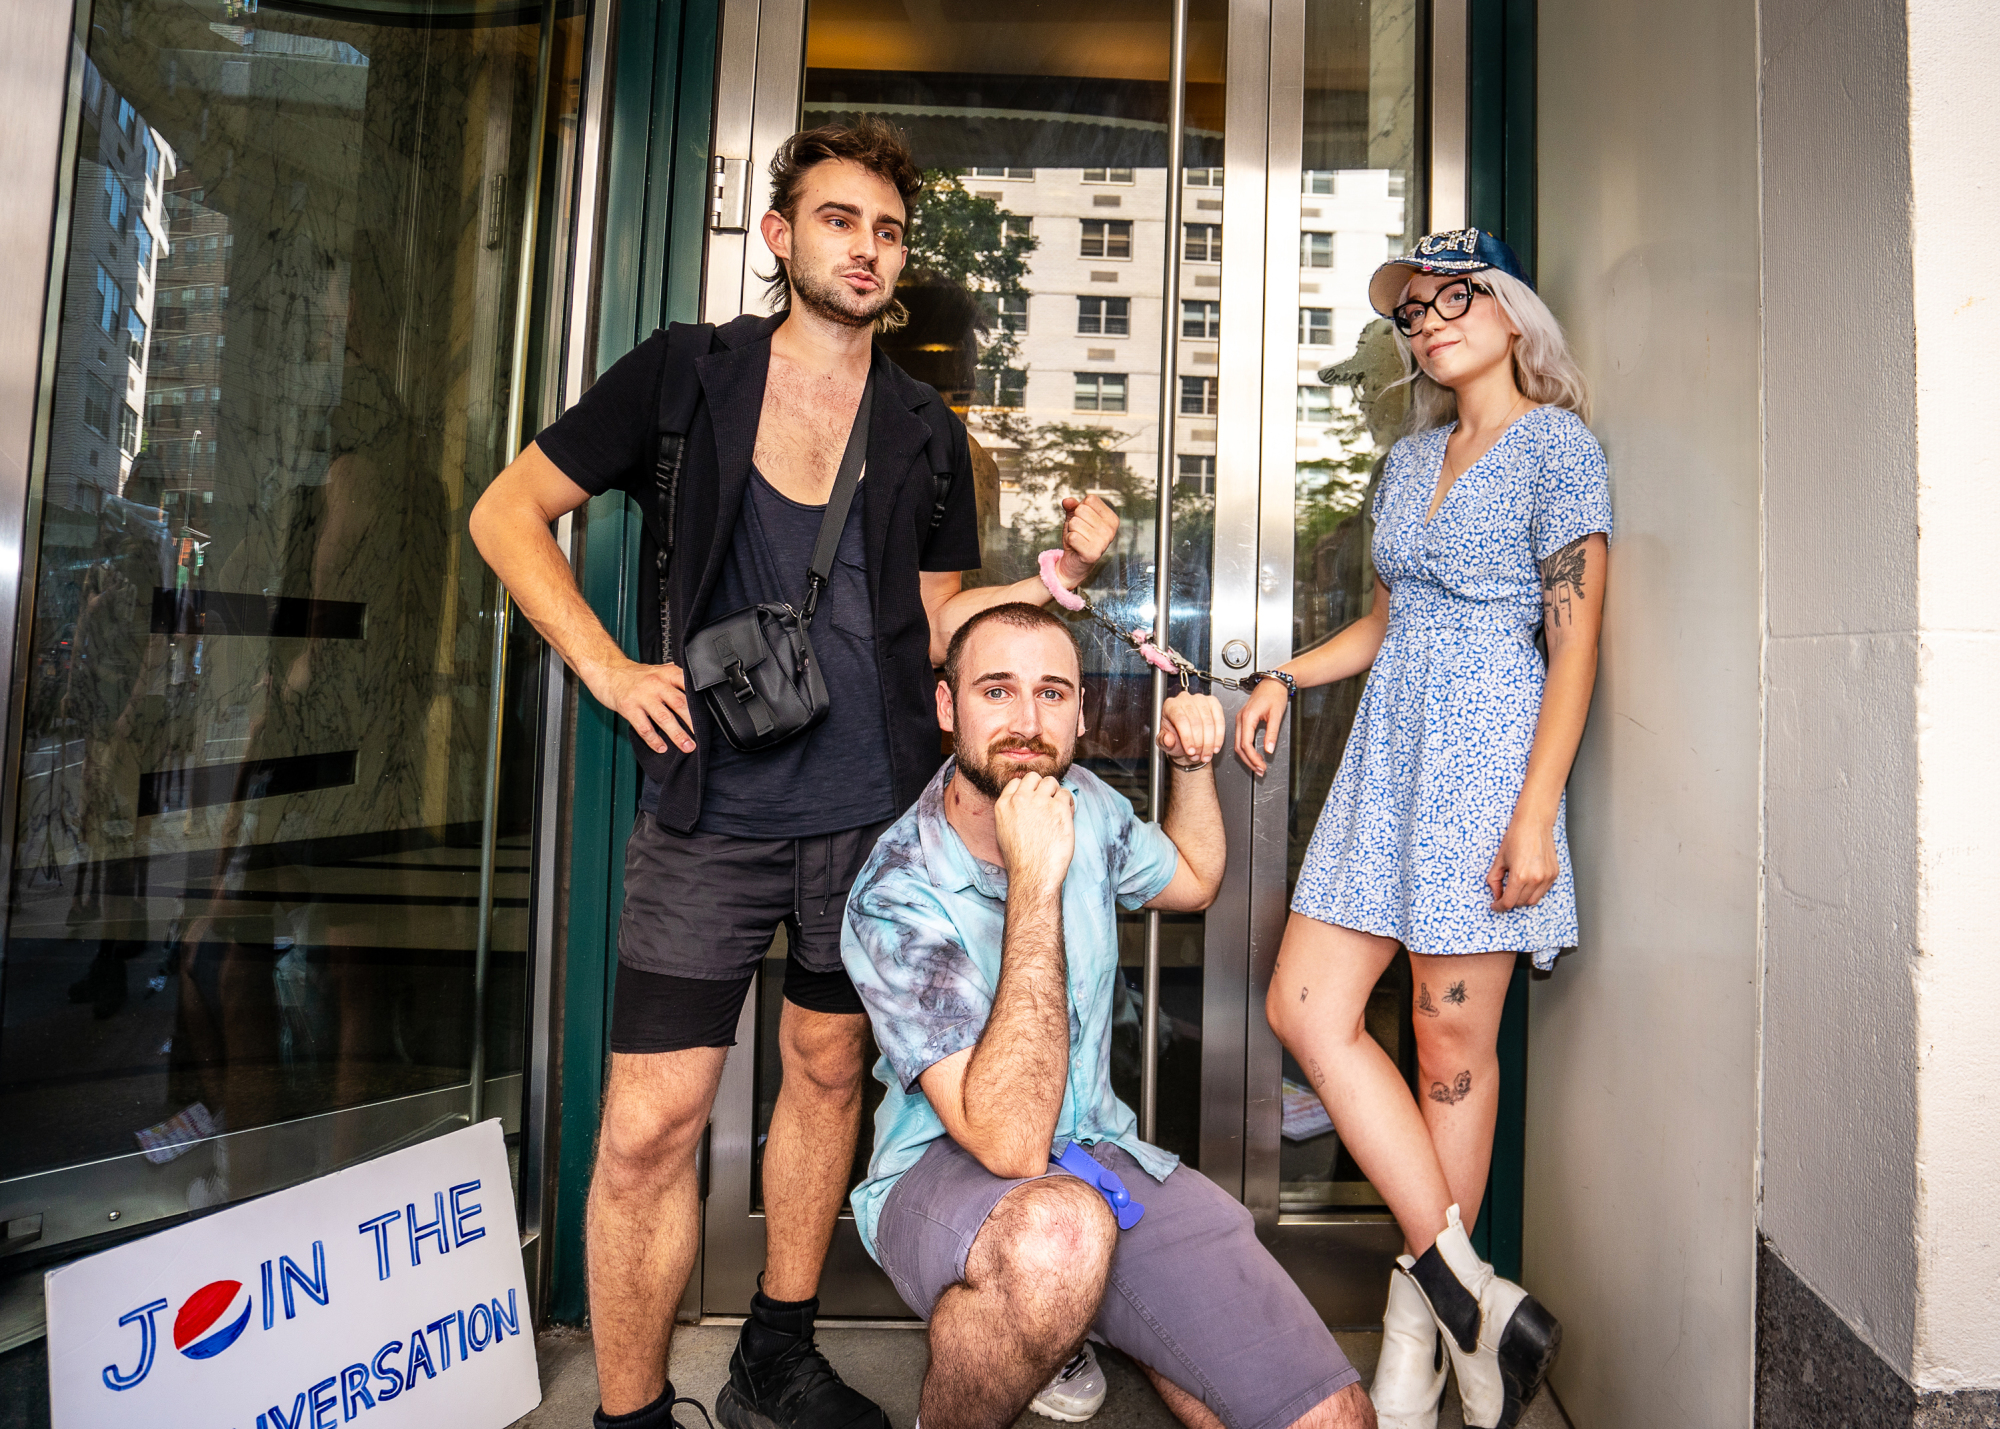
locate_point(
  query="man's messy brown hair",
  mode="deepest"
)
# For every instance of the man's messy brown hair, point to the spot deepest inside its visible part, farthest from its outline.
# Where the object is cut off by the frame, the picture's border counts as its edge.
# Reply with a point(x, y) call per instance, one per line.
point(875, 144)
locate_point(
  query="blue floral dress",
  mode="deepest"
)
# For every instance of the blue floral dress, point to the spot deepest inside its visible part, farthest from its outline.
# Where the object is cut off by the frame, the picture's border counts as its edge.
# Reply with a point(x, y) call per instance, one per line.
point(1440, 743)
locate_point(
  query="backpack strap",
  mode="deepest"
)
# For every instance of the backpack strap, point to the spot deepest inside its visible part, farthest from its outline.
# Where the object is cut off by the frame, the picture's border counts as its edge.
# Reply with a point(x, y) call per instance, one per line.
point(937, 416)
point(680, 392)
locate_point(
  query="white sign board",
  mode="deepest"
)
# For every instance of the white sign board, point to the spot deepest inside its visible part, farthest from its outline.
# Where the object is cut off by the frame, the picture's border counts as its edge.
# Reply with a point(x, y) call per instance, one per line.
point(387, 1294)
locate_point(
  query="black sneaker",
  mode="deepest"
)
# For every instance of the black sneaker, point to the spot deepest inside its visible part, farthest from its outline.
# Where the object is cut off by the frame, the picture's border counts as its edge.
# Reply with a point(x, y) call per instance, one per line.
point(794, 1389)
point(600, 1421)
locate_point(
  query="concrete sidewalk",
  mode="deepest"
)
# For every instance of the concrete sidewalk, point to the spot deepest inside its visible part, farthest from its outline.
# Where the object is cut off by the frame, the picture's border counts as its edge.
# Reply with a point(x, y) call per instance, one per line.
point(887, 1366)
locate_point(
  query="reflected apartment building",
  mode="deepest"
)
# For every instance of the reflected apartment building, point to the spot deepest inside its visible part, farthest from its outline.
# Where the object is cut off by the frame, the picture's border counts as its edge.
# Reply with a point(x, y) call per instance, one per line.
point(1083, 342)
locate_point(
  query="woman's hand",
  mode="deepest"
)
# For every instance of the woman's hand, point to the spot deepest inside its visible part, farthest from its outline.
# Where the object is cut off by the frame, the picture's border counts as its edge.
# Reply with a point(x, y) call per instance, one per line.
point(1264, 709)
point(1526, 865)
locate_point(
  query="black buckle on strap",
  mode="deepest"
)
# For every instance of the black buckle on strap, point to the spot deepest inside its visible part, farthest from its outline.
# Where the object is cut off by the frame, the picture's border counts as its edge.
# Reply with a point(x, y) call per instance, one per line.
point(739, 683)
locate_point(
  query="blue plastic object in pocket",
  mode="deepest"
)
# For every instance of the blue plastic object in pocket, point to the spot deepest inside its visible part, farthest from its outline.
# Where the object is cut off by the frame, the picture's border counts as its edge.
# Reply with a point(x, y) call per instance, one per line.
point(1082, 1165)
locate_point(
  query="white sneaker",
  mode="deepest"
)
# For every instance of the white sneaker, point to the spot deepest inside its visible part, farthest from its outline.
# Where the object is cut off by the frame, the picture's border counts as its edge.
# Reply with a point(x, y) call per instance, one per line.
point(1409, 1378)
point(1517, 1342)
point(1077, 1391)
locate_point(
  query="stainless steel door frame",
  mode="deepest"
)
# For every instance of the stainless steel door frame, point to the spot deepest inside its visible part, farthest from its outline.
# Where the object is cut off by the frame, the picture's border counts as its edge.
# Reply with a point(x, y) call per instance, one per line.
point(1341, 1259)
point(41, 72)
point(1228, 1008)
point(759, 79)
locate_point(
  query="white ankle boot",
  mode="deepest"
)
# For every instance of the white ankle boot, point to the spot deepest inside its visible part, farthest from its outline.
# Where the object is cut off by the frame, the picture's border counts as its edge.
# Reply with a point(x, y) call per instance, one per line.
point(1516, 1344)
point(1409, 1378)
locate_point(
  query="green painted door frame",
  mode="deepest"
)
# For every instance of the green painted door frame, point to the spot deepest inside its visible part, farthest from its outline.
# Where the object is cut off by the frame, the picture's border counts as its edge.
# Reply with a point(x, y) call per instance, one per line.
point(1500, 198)
point(662, 102)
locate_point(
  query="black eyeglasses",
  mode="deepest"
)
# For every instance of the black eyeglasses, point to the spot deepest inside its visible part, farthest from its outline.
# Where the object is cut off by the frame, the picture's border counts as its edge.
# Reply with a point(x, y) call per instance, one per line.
point(1451, 303)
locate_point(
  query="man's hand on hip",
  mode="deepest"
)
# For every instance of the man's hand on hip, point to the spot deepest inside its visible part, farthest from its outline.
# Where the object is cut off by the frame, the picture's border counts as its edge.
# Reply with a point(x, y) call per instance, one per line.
point(1035, 820)
point(650, 698)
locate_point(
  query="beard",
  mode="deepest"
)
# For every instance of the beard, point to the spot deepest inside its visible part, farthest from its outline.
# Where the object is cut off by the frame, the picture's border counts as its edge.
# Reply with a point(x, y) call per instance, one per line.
point(985, 773)
point(825, 295)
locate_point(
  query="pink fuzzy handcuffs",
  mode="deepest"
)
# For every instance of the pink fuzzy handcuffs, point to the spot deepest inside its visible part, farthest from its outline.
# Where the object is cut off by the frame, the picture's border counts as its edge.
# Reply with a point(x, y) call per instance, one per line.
point(1163, 658)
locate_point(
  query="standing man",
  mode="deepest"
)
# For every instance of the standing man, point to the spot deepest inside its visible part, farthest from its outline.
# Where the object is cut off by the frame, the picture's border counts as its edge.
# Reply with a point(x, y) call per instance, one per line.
point(729, 845)
point(983, 934)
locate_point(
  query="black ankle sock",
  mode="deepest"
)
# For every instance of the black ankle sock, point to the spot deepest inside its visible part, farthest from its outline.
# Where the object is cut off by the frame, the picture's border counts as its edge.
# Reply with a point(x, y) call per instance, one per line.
point(657, 1415)
point(1450, 1301)
point(775, 1326)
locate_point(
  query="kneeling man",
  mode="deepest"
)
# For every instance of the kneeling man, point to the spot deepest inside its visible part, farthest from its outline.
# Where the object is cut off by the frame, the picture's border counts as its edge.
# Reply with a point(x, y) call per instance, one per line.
point(982, 936)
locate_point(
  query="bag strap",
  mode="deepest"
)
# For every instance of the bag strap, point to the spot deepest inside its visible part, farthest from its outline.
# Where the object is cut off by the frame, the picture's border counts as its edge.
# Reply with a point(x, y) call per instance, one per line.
point(680, 391)
point(837, 505)
point(938, 416)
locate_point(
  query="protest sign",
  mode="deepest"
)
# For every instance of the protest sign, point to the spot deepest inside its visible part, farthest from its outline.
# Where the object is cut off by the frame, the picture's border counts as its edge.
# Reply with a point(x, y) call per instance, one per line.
point(387, 1294)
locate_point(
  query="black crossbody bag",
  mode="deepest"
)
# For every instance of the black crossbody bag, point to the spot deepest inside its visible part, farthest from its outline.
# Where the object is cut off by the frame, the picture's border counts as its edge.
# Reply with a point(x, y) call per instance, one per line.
point(755, 667)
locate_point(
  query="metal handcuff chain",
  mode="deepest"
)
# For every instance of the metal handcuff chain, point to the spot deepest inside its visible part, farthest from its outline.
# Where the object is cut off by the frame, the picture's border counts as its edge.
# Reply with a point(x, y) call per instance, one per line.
point(1161, 657)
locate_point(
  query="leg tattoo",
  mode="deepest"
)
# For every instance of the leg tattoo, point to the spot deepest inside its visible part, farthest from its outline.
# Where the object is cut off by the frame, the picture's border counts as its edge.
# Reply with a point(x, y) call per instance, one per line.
point(1458, 1091)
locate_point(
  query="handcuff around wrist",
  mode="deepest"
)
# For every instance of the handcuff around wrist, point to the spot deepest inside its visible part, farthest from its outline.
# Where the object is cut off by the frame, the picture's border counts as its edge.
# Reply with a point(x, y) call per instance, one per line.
point(1257, 677)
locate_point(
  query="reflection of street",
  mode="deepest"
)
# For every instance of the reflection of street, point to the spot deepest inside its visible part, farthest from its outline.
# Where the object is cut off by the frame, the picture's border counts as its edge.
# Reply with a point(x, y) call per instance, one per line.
point(247, 887)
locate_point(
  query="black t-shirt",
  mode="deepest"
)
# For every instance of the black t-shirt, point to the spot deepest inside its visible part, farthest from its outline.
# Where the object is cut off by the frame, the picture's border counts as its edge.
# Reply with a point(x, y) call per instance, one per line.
point(782, 792)
point(879, 744)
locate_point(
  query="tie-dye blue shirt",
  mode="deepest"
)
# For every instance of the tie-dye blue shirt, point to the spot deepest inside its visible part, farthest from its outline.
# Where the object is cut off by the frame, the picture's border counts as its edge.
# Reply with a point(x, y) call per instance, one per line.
point(922, 943)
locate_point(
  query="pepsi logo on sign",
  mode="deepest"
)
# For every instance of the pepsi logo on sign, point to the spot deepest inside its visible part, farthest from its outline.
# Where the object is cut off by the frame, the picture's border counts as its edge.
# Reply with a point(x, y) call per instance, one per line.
point(211, 1319)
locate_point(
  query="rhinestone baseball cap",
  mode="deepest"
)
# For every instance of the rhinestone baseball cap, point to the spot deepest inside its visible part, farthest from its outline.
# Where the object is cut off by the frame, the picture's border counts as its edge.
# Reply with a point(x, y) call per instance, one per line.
point(1456, 250)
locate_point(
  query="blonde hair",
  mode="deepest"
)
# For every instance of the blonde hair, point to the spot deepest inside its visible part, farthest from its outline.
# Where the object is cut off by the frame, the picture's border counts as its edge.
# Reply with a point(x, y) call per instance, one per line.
point(1543, 368)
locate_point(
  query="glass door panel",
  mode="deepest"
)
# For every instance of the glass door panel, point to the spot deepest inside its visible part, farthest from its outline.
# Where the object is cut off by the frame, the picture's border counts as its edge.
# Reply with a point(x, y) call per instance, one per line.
point(259, 879)
point(1038, 305)
point(1359, 203)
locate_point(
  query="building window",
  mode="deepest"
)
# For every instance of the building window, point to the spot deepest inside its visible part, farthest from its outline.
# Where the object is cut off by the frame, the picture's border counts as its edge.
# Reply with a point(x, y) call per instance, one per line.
point(1003, 173)
point(1100, 391)
point(1198, 474)
point(1315, 250)
point(128, 429)
point(135, 337)
point(1203, 243)
point(1005, 312)
point(1315, 327)
point(1201, 319)
point(111, 300)
point(1204, 178)
point(1104, 317)
point(145, 237)
point(126, 114)
point(97, 406)
point(117, 203)
point(1015, 229)
point(1107, 237)
point(1107, 176)
point(1007, 387)
point(1198, 396)
point(1317, 181)
point(1315, 405)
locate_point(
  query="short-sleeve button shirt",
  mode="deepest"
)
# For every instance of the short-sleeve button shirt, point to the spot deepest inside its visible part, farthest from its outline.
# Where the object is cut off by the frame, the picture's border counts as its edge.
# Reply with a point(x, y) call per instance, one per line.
point(922, 942)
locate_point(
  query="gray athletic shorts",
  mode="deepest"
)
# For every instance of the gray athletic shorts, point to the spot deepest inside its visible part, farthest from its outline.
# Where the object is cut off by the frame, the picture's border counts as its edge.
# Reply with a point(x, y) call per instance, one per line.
point(706, 905)
point(1193, 1292)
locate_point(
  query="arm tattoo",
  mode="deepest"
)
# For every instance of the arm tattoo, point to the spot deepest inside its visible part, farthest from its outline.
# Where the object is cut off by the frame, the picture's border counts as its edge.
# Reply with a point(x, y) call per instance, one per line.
point(1424, 1003)
point(1562, 582)
point(1455, 994)
point(1458, 1091)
